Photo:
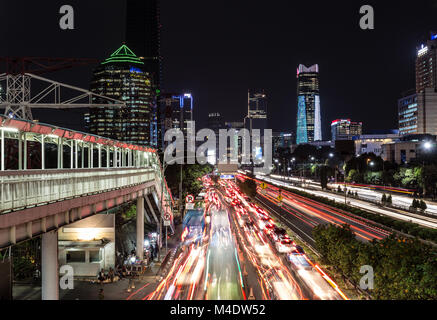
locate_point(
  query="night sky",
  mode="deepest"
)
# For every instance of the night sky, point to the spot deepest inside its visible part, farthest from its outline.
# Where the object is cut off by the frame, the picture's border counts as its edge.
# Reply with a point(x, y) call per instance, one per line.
point(220, 49)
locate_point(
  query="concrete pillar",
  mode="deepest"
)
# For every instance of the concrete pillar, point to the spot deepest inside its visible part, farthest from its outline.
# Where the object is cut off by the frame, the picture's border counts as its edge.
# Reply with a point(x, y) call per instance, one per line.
point(140, 227)
point(49, 266)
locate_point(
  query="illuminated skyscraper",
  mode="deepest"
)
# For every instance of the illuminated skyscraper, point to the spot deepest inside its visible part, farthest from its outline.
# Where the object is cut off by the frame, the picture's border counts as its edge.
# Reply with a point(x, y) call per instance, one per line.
point(408, 114)
point(121, 76)
point(417, 112)
point(426, 63)
point(345, 129)
point(309, 126)
point(177, 110)
point(257, 111)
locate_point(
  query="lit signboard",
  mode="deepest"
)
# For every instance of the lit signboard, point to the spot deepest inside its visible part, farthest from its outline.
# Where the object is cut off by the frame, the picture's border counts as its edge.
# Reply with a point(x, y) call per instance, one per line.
point(227, 176)
point(422, 51)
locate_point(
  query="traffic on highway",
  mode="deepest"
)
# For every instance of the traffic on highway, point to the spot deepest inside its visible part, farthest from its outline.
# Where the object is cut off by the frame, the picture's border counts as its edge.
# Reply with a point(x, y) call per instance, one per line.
point(234, 249)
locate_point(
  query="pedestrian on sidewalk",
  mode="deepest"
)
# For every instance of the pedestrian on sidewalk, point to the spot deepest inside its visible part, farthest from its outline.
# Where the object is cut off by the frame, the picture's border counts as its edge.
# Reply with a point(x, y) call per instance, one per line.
point(101, 276)
point(111, 274)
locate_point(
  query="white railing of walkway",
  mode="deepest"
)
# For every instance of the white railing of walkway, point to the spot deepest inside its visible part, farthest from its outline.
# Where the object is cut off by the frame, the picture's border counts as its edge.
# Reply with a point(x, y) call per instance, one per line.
point(21, 189)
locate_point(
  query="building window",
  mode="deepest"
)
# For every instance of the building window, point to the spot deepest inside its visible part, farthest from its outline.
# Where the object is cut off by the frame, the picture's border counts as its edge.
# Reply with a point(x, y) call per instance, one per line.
point(95, 256)
point(75, 256)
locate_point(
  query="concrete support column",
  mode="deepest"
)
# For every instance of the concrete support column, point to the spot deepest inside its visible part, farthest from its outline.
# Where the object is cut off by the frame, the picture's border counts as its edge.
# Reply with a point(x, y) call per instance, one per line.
point(140, 227)
point(49, 266)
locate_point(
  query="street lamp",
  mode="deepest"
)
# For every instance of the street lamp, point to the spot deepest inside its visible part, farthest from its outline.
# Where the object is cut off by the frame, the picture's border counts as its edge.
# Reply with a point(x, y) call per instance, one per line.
point(427, 145)
point(331, 155)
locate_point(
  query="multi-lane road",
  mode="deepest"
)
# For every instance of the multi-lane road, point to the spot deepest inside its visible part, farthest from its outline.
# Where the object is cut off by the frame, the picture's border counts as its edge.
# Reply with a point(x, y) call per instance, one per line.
point(425, 221)
point(237, 255)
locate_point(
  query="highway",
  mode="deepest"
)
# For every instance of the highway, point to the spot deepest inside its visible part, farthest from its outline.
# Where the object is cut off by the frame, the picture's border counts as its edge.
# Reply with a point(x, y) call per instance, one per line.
point(207, 265)
point(303, 214)
point(237, 255)
point(223, 272)
point(282, 271)
point(406, 216)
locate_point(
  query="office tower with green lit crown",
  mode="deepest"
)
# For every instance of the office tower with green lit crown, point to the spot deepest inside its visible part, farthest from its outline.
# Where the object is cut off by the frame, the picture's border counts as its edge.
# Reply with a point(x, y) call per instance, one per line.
point(121, 76)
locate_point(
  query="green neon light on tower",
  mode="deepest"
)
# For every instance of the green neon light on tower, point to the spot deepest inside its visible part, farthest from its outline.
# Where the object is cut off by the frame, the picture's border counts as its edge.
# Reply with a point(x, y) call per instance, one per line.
point(123, 54)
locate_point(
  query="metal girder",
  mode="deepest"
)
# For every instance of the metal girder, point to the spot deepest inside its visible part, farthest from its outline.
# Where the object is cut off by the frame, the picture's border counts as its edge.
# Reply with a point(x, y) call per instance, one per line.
point(18, 100)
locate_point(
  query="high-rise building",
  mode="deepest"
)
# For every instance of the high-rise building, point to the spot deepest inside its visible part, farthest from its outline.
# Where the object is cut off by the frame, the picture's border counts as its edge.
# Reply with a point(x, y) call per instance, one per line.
point(408, 114)
point(309, 127)
point(426, 62)
point(282, 141)
point(176, 111)
point(256, 110)
point(417, 112)
point(215, 122)
point(345, 129)
point(143, 34)
point(122, 77)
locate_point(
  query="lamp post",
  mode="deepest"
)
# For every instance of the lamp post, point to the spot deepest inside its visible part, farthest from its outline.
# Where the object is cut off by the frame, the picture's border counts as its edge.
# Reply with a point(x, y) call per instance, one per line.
point(427, 145)
point(164, 167)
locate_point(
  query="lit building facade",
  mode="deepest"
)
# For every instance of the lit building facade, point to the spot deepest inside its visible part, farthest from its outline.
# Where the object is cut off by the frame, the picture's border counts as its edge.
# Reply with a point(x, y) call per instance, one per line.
point(282, 140)
point(426, 75)
point(345, 129)
point(176, 111)
point(418, 113)
point(408, 114)
point(257, 111)
point(121, 76)
point(407, 148)
point(309, 127)
point(372, 143)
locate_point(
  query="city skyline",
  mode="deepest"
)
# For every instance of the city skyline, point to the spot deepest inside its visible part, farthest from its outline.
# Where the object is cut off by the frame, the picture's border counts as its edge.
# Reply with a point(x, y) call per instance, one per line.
point(367, 53)
point(161, 150)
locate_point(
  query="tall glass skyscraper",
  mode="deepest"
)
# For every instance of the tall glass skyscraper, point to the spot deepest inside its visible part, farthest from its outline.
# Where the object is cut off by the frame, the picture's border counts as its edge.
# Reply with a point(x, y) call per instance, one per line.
point(122, 77)
point(176, 111)
point(309, 127)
